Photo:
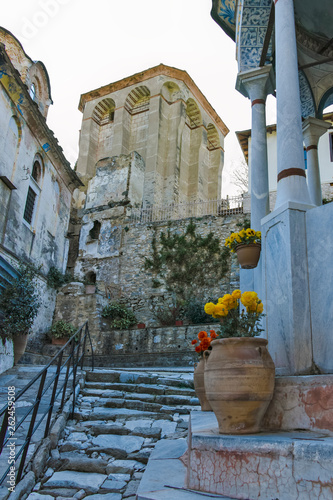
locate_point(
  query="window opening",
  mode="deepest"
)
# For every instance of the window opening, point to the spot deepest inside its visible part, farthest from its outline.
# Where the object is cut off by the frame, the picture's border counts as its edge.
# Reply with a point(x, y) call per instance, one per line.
point(29, 205)
point(90, 277)
point(36, 172)
point(32, 91)
point(95, 230)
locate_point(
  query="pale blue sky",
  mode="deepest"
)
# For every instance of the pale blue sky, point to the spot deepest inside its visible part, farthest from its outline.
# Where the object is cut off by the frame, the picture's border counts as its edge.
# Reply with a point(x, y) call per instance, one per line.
point(86, 44)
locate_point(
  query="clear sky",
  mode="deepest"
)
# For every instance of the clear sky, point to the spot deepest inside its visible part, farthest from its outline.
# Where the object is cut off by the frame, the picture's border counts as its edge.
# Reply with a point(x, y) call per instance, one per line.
point(86, 44)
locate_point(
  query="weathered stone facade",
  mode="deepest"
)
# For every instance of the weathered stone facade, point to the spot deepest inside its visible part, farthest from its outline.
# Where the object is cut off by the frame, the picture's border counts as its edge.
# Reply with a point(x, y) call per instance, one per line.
point(36, 180)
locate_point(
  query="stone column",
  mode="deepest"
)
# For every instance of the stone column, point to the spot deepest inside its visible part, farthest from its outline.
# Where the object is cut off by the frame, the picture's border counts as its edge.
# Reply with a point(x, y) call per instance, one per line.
point(257, 84)
point(313, 129)
point(291, 185)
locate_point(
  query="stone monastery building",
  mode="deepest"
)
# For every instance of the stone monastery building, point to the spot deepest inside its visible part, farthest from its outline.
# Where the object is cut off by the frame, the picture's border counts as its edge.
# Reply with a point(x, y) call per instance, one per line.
point(162, 116)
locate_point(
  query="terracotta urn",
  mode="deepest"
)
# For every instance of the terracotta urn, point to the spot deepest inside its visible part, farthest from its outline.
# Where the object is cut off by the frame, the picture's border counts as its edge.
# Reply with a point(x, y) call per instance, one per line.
point(20, 343)
point(199, 386)
point(248, 255)
point(60, 341)
point(239, 383)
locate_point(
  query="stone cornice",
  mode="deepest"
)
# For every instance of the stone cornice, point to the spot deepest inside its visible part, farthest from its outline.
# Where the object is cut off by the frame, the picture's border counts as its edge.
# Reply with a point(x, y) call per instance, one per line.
point(28, 109)
point(161, 69)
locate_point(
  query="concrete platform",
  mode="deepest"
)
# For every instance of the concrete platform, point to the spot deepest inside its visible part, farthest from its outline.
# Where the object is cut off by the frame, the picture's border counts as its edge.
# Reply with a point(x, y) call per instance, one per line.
point(165, 475)
point(286, 465)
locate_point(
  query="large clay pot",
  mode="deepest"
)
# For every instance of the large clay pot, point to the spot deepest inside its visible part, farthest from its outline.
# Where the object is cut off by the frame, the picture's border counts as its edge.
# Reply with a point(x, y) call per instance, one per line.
point(20, 343)
point(239, 383)
point(199, 386)
point(248, 255)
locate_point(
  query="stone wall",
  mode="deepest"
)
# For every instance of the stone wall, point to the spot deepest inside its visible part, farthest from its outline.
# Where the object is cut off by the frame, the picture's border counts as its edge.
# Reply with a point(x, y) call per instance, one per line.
point(118, 260)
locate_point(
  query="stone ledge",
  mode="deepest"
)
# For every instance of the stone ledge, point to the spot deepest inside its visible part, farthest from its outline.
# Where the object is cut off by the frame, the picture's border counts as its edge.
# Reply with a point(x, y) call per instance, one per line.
point(266, 465)
point(164, 477)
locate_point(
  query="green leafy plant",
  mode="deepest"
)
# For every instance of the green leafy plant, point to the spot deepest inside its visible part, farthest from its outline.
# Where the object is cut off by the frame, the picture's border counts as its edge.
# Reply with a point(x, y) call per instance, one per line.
point(243, 237)
point(121, 317)
point(168, 314)
point(186, 261)
point(195, 312)
point(56, 279)
point(61, 329)
point(19, 302)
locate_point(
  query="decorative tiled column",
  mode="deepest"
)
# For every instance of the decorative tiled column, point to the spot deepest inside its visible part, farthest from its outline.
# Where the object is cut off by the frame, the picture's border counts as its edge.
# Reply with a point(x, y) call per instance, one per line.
point(257, 84)
point(313, 129)
point(290, 158)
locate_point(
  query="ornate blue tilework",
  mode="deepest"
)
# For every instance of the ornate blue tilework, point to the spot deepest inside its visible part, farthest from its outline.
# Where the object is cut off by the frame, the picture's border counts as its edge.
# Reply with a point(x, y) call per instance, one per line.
point(307, 101)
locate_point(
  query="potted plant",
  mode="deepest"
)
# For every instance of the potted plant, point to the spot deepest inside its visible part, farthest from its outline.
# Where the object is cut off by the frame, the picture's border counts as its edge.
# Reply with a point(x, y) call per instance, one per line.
point(240, 373)
point(19, 304)
point(202, 347)
point(247, 245)
point(61, 332)
point(120, 316)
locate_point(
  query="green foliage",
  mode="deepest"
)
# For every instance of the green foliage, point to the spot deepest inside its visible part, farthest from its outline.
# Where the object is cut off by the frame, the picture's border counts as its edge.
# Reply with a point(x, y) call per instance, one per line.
point(167, 314)
point(121, 317)
point(61, 329)
point(19, 303)
point(196, 314)
point(56, 279)
point(244, 225)
point(188, 261)
point(327, 200)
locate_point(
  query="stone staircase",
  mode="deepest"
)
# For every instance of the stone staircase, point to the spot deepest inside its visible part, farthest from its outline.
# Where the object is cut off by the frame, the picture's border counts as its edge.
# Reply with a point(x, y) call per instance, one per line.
point(119, 417)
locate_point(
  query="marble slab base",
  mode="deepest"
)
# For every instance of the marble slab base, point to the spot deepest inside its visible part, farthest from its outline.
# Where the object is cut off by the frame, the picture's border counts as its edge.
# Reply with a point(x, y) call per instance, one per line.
point(286, 465)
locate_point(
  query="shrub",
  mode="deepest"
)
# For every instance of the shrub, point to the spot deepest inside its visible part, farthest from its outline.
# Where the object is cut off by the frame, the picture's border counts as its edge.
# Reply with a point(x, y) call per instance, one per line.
point(19, 302)
point(195, 313)
point(61, 329)
point(56, 279)
point(121, 317)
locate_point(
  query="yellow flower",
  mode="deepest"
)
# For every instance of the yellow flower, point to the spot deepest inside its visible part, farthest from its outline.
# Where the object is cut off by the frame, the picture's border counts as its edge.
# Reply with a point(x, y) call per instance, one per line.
point(250, 232)
point(249, 298)
point(242, 233)
point(232, 237)
point(220, 300)
point(209, 308)
point(238, 238)
point(237, 294)
point(258, 235)
point(260, 307)
point(220, 311)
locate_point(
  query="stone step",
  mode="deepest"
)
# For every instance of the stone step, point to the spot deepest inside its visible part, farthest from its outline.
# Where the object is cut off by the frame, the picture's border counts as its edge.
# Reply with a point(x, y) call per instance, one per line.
point(142, 388)
point(138, 378)
point(113, 414)
point(137, 404)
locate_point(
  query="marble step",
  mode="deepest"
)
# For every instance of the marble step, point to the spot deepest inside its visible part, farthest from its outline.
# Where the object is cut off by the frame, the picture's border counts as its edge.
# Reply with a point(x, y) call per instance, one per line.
point(154, 389)
point(113, 376)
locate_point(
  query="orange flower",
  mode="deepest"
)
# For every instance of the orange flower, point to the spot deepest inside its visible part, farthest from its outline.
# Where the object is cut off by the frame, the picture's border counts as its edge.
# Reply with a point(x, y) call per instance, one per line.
point(202, 335)
point(205, 343)
point(213, 334)
point(198, 348)
point(194, 341)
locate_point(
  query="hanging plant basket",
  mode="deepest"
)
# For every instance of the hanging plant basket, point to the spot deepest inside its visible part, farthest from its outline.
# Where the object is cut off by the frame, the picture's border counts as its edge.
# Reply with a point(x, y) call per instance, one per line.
point(248, 255)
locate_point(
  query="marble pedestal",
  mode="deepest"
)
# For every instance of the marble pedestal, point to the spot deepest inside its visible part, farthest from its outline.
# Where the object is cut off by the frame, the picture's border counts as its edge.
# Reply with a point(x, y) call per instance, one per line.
point(286, 465)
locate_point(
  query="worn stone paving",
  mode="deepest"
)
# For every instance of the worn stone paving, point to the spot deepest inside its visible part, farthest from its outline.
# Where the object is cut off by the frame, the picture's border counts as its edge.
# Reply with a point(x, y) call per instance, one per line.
point(119, 417)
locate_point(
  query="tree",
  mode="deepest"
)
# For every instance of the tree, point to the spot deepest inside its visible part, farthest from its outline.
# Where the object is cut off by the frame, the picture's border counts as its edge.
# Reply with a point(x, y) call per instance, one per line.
point(240, 176)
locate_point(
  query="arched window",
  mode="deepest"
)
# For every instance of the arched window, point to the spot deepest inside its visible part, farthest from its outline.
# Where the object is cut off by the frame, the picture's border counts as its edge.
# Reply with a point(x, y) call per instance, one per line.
point(213, 140)
point(32, 91)
point(34, 190)
point(104, 112)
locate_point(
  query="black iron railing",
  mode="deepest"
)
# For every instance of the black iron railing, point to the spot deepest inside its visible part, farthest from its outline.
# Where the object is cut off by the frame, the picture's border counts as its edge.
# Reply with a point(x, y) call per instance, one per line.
point(52, 387)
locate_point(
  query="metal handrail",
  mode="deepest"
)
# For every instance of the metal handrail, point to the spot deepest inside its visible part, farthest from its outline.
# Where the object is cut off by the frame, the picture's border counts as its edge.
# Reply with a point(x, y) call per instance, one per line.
point(75, 358)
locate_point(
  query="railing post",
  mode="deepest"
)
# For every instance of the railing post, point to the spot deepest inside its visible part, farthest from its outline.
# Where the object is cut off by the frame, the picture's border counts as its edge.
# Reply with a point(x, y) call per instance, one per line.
point(49, 416)
point(31, 426)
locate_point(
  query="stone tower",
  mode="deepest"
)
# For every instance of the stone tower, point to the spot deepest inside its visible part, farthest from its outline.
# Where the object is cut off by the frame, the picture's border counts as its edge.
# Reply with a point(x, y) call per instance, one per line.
point(161, 115)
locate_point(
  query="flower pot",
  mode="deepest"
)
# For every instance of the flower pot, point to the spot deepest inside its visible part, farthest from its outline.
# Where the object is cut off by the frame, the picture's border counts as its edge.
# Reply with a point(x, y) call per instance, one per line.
point(248, 255)
point(239, 383)
point(199, 386)
point(60, 341)
point(179, 322)
point(90, 289)
point(20, 343)
point(141, 325)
